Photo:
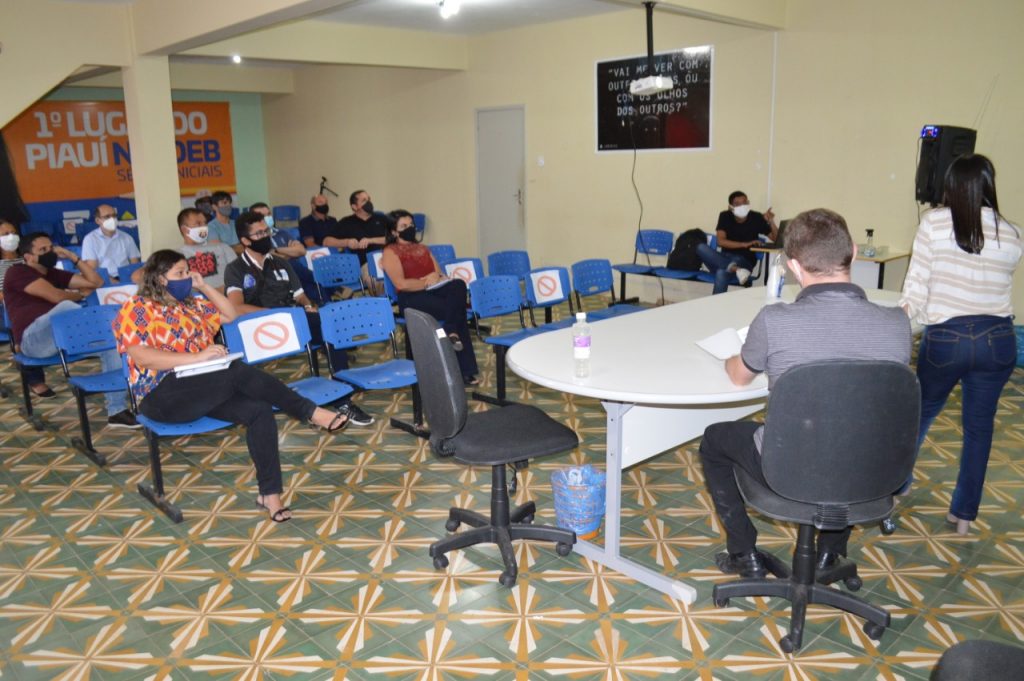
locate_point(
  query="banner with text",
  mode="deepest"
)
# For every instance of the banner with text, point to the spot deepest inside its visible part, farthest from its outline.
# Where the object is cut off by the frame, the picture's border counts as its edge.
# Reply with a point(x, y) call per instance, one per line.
point(677, 119)
point(79, 150)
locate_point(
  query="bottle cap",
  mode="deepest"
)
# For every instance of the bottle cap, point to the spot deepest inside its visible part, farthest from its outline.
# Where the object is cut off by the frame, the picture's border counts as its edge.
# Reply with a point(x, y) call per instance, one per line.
point(581, 316)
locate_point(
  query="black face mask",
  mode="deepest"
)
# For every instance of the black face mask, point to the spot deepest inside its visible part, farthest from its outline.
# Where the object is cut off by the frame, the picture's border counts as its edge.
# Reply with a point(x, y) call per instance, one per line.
point(368, 207)
point(408, 234)
point(261, 246)
point(48, 259)
point(322, 209)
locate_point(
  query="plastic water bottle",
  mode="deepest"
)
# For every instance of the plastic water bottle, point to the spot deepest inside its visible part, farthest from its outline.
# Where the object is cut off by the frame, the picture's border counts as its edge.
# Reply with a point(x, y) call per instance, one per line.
point(869, 247)
point(581, 345)
point(776, 278)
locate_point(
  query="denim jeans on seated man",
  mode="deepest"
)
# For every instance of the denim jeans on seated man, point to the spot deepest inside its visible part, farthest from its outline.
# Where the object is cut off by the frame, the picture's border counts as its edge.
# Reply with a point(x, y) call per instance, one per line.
point(37, 342)
point(721, 265)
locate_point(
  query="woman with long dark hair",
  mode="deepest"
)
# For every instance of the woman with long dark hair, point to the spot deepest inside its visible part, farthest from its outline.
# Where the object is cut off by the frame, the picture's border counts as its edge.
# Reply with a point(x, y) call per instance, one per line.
point(412, 269)
point(958, 286)
point(164, 326)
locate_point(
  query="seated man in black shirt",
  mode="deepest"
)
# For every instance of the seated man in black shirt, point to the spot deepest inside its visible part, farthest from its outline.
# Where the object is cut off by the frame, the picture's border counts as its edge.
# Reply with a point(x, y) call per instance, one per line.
point(361, 232)
point(318, 224)
point(258, 280)
point(738, 229)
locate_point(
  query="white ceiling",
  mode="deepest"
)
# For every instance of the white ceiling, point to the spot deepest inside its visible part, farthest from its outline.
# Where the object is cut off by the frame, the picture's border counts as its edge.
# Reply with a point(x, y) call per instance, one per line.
point(475, 17)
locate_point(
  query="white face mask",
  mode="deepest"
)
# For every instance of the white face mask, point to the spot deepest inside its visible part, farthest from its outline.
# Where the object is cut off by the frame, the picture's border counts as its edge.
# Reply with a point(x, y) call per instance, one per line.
point(109, 225)
point(9, 242)
point(741, 211)
point(198, 234)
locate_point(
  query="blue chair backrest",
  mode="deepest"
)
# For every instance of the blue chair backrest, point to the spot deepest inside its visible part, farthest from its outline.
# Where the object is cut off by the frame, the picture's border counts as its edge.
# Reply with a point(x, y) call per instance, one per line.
point(516, 263)
point(590, 277)
point(654, 241)
point(495, 295)
point(389, 289)
point(713, 241)
point(338, 269)
point(264, 341)
point(85, 331)
point(291, 232)
point(235, 212)
point(124, 272)
point(443, 253)
point(547, 286)
point(419, 220)
point(356, 322)
point(286, 213)
point(372, 258)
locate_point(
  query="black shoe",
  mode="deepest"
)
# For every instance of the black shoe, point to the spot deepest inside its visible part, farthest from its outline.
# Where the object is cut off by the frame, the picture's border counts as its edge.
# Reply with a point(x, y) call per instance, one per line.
point(46, 393)
point(356, 416)
point(749, 565)
point(123, 419)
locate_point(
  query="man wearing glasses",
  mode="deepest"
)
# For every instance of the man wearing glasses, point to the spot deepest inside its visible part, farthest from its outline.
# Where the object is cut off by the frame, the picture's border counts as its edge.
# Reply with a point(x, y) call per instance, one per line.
point(108, 248)
point(259, 280)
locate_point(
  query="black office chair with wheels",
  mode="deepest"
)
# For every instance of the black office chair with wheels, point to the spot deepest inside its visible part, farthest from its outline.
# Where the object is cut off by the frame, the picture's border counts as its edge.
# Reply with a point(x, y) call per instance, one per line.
point(839, 439)
point(497, 438)
point(979, 660)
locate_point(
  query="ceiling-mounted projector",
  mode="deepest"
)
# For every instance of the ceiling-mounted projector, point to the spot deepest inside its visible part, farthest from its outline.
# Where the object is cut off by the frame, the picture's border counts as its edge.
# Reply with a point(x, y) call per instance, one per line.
point(650, 85)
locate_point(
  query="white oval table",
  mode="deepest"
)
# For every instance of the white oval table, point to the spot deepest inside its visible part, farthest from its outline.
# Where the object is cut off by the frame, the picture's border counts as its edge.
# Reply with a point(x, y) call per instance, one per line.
point(658, 389)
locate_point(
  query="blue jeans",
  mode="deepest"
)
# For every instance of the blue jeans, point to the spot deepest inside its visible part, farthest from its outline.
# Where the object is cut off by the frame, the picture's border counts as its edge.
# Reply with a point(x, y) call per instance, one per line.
point(37, 342)
point(979, 352)
point(719, 264)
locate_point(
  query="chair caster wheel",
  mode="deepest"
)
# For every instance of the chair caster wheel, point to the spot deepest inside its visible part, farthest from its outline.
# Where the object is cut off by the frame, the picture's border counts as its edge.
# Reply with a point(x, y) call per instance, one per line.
point(853, 583)
point(527, 519)
point(563, 549)
point(887, 526)
point(721, 602)
point(786, 644)
point(874, 631)
point(507, 579)
point(452, 525)
point(440, 562)
point(37, 423)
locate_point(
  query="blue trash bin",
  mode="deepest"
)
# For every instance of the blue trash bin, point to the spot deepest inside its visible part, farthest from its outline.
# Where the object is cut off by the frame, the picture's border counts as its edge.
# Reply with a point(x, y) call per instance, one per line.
point(579, 499)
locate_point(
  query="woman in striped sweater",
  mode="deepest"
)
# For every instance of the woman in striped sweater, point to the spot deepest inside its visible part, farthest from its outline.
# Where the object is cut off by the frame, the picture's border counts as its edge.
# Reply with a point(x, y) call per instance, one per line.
point(958, 286)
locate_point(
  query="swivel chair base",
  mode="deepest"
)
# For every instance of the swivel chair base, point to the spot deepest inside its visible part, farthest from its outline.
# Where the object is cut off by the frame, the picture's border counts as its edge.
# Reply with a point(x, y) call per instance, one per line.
point(502, 528)
point(802, 590)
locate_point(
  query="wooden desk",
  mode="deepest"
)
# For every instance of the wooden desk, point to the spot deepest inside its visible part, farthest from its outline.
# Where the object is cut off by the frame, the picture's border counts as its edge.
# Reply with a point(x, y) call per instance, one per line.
point(884, 254)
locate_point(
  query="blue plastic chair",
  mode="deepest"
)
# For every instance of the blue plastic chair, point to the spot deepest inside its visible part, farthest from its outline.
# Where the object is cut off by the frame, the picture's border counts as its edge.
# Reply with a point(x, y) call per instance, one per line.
point(594, 277)
point(124, 272)
point(286, 215)
point(516, 263)
point(154, 430)
point(363, 321)
point(473, 264)
point(443, 253)
point(535, 280)
point(81, 333)
point(419, 220)
point(337, 270)
point(648, 242)
point(22, 361)
point(291, 232)
point(320, 390)
point(496, 296)
point(371, 267)
point(5, 337)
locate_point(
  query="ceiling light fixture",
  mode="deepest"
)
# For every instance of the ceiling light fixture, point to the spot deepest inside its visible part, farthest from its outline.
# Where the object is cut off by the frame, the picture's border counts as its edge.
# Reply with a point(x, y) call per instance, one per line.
point(449, 8)
point(237, 58)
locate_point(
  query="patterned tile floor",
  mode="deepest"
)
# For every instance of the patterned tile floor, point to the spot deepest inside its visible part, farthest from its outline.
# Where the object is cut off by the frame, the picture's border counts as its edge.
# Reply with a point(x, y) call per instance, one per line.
point(95, 584)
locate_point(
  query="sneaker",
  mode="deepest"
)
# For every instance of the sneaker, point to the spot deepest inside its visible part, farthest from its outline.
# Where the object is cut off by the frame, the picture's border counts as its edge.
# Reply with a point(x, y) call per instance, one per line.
point(123, 419)
point(356, 416)
point(743, 276)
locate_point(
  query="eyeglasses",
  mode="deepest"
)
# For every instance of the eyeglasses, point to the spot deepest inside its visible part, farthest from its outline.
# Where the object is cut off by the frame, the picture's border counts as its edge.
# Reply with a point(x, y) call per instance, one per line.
point(256, 236)
point(107, 217)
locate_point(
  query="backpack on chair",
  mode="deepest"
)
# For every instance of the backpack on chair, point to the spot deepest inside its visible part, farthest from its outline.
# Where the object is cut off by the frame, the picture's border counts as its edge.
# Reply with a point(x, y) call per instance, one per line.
point(684, 255)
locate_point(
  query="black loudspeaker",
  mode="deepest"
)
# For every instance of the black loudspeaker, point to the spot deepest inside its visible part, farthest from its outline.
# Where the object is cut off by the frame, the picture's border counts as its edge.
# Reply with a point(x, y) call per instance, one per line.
point(940, 144)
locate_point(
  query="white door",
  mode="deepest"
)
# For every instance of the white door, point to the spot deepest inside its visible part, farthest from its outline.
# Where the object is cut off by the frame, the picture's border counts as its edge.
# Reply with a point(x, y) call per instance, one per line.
point(500, 167)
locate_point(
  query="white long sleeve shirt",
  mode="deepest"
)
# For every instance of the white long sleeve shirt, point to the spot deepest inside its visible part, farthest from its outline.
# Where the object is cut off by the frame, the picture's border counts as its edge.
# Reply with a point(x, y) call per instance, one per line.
point(944, 281)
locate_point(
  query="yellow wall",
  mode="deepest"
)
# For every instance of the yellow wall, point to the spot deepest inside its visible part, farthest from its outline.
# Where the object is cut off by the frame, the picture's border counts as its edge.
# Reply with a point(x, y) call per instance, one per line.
point(408, 136)
point(855, 83)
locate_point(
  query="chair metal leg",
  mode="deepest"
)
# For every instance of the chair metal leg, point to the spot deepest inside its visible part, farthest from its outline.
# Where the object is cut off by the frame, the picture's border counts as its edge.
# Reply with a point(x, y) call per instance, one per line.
point(26, 395)
point(154, 493)
point(497, 399)
point(84, 444)
point(458, 516)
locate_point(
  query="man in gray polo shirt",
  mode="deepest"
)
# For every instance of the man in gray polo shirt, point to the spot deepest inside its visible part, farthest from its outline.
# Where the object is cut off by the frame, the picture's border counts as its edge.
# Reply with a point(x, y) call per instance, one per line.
point(830, 319)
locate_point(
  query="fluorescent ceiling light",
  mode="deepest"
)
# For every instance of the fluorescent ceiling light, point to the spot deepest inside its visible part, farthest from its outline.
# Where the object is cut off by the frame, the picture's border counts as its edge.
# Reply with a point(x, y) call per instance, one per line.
point(237, 58)
point(449, 8)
